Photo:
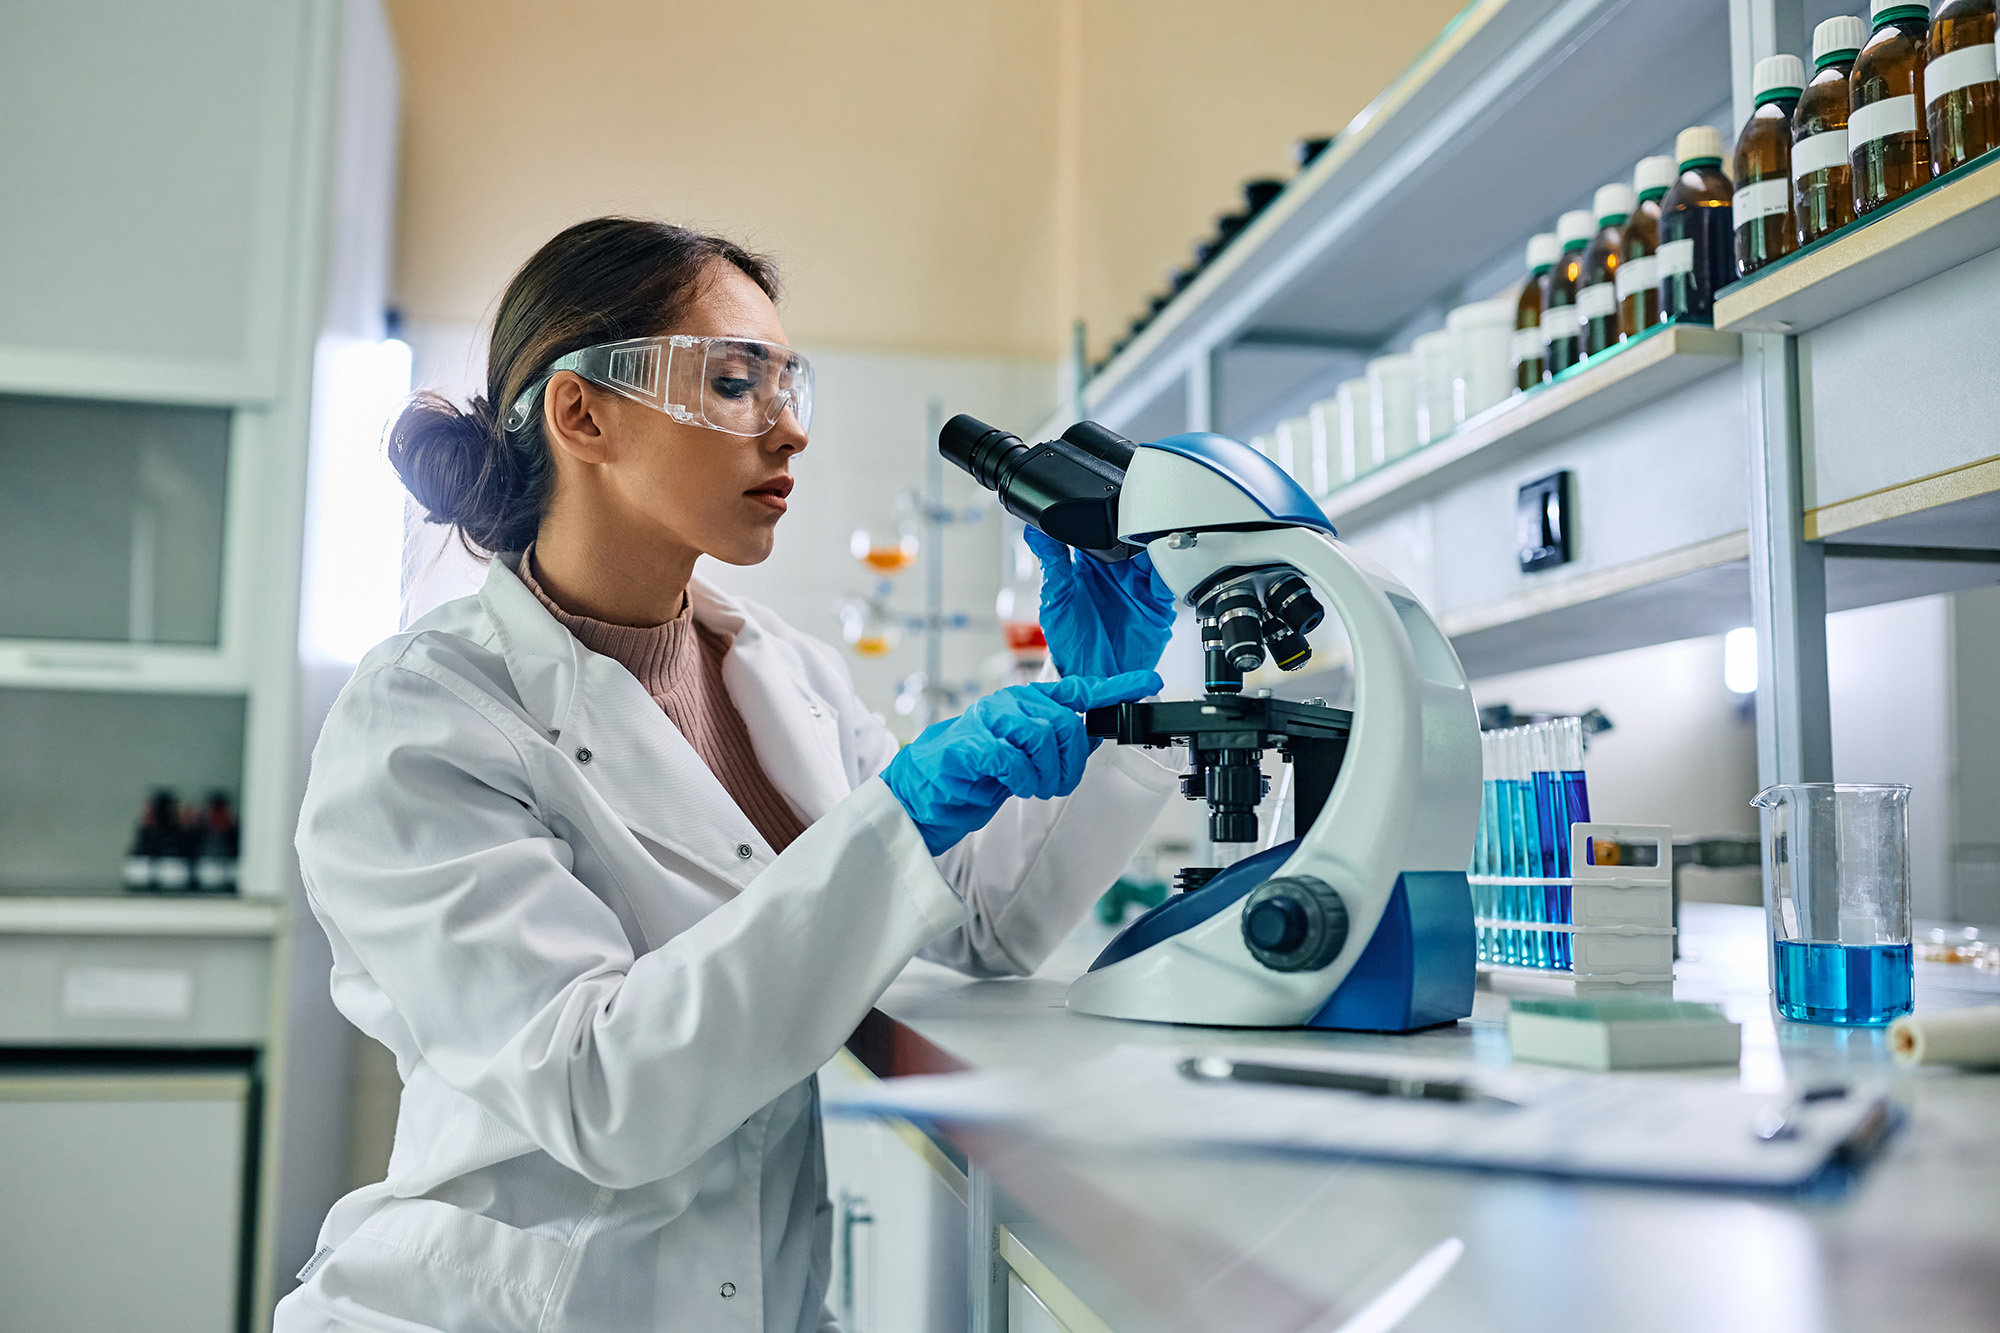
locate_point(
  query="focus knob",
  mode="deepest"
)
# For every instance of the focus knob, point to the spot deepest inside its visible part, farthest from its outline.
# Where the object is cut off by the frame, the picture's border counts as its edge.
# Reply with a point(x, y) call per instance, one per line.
point(1295, 923)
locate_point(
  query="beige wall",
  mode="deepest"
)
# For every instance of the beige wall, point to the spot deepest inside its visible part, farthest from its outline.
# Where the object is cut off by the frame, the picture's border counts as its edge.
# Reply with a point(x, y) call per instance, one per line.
point(1185, 100)
point(917, 165)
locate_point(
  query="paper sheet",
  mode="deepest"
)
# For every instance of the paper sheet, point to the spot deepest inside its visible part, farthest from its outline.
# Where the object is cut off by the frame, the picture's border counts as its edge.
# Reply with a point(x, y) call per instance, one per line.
point(1696, 1131)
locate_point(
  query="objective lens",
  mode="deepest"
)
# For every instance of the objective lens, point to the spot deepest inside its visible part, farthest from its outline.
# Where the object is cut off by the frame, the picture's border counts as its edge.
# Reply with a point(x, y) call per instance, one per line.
point(1288, 650)
point(1290, 598)
point(1239, 622)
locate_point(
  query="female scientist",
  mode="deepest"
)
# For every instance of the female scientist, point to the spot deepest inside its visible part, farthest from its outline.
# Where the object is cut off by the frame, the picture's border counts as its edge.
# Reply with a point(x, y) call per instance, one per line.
point(613, 862)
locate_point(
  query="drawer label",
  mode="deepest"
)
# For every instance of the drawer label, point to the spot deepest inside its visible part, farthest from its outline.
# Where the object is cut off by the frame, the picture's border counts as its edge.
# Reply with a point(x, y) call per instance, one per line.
point(127, 992)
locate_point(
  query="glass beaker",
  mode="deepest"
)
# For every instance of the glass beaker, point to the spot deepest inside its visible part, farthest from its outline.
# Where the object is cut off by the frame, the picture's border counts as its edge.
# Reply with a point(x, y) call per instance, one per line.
point(1837, 892)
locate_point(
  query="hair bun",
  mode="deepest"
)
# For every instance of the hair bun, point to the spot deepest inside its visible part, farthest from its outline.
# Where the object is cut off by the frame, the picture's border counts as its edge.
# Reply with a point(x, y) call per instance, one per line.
point(457, 467)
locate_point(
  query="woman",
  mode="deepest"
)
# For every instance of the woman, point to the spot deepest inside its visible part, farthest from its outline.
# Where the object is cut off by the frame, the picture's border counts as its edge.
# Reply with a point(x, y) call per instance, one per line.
point(613, 862)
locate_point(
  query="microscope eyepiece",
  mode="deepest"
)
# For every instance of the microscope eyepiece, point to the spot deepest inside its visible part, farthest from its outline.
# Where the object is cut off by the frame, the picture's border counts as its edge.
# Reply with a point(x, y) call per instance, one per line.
point(1068, 488)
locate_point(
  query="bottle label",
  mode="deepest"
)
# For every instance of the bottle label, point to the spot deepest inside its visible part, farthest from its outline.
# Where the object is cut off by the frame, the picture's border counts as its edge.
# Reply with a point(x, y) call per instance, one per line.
point(1818, 152)
point(1638, 275)
point(1958, 69)
point(1676, 258)
point(1559, 322)
point(1761, 199)
point(1597, 301)
point(1528, 345)
point(1879, 120)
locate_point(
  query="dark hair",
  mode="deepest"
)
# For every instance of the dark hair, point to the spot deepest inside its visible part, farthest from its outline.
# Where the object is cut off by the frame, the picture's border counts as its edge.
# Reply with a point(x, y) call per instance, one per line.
point(596, 282)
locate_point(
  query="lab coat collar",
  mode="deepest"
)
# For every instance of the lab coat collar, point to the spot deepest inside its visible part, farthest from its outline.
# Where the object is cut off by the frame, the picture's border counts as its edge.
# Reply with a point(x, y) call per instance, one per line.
point(640, 762)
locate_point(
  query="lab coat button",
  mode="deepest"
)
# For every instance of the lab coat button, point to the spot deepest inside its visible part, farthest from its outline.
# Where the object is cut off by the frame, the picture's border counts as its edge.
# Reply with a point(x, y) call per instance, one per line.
point(814, 708)
point(743, 851)
point(728, 1290)
point(583, 755)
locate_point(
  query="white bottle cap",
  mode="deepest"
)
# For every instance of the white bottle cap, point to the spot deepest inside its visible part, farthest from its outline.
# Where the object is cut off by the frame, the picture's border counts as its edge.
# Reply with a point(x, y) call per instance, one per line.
point(1876, 7)
point(1697, 142)
point(1844, 33)
point(1653, 173)
point(1543, 250)
point(1575, 227)
point(1775, 72)
point(1615, 200)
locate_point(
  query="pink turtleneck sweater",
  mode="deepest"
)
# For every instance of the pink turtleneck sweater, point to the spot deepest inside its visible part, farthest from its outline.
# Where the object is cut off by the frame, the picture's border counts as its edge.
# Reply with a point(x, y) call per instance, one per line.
point(680, 664)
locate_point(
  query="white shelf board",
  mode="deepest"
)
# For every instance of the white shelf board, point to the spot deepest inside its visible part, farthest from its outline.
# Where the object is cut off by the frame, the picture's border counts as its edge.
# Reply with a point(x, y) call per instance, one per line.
point(1923, 234)
point(1371, 232)
point(122, 667)
point(1621, 382)
point(140, 915)
point(1959, 508)
point(1691, 592)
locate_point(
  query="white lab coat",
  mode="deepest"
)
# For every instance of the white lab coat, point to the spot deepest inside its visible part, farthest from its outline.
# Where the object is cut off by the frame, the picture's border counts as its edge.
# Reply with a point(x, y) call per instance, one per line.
point(606, 996)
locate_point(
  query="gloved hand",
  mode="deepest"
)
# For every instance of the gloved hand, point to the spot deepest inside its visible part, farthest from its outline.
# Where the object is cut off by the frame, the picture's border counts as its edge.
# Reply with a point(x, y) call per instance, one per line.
point(1099, 619)
point(1025, 740)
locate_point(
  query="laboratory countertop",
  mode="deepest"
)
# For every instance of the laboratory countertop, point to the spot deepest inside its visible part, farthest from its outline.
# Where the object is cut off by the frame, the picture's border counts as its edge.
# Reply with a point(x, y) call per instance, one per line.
point(1164, 1238)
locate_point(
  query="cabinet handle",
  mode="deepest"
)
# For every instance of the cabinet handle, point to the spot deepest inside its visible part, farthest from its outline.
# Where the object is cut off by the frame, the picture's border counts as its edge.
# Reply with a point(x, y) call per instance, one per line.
point(854, 1214)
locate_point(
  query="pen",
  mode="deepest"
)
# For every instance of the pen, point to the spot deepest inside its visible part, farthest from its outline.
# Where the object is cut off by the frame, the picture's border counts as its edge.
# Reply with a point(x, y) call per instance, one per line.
point(1215, 1069)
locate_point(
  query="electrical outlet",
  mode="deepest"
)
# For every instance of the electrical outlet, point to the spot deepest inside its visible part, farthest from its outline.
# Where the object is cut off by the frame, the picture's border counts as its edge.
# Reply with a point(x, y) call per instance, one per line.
point(1542, 522)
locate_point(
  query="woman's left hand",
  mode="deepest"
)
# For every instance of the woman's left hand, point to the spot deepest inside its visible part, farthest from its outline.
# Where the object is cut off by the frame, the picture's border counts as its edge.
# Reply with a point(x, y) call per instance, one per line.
point(1101, 619)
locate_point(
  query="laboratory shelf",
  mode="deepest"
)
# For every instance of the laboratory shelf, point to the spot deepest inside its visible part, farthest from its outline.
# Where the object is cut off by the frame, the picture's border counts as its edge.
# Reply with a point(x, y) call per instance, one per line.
point(122, 667)
point(1607, 386)
point(130, 915)
point(1441, 175)
point(1927, 232)
point(1957, 510)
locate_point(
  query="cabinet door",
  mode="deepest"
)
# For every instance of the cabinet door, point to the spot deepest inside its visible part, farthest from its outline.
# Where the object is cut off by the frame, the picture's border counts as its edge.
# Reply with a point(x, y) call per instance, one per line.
point(124, 1200)
point(79, 766)
point(151, 161)
point(111, 521)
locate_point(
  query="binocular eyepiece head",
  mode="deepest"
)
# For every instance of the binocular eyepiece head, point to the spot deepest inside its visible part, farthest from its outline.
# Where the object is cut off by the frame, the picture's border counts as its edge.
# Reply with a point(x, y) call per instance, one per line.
point(1066, 487)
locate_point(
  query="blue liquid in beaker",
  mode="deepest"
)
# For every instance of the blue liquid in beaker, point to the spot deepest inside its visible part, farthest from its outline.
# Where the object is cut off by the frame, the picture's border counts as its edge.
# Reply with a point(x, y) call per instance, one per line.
point(1853, 985)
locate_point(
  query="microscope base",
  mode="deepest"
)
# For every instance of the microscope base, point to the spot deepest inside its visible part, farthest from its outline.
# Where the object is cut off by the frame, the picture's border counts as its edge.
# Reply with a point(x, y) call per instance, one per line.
point(1419, 967)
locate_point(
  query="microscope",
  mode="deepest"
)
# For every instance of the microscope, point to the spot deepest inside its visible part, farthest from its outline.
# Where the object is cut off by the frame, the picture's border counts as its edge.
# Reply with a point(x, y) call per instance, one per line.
point(1364, 920)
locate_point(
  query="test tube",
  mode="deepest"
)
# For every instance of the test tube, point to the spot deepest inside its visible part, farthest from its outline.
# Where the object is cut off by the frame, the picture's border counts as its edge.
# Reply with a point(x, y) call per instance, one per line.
point(1553, 831)
point(1576, 796)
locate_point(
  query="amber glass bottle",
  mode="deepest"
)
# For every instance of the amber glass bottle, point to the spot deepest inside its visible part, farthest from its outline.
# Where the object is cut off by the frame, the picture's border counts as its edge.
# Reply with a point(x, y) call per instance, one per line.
point(1531, 362)
point(1962, 84)
point(1561, 329)
point(1697, 250)
point(1886, 140)
point(1639, 244)
point(1822, 180)
point(1761, 207)
point(1597, 296)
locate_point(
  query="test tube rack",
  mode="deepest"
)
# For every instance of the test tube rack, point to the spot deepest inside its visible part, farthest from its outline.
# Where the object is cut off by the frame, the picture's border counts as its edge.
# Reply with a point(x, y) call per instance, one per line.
point(1617, 919)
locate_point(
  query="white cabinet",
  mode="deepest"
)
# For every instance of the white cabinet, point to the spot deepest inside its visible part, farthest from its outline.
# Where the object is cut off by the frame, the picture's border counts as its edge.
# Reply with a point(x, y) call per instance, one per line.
point(124, 1198)
point(154, 184)
point(899, 1226)
point(194, 194)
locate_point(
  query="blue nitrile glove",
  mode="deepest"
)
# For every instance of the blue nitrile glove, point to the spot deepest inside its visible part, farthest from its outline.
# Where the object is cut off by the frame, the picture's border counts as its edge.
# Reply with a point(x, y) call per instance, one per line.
point(1025, 740)
point(1099, 619)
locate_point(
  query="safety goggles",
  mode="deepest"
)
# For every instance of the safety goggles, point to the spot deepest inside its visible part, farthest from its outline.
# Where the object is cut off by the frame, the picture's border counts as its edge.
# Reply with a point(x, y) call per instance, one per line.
point(740, 386)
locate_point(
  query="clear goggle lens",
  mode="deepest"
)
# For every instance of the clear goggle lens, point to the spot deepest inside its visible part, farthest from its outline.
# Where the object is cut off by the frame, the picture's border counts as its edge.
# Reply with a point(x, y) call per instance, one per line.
point(740, 386)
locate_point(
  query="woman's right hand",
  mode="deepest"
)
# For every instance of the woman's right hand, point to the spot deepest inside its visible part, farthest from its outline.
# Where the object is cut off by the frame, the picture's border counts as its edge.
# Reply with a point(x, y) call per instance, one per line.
point(1025, 740)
